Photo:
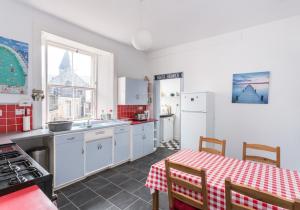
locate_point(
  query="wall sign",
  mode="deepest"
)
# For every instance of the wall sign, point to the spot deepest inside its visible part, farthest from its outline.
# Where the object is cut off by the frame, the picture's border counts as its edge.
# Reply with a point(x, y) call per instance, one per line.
point(168, 76)
point(13, 66)
point(251, 88)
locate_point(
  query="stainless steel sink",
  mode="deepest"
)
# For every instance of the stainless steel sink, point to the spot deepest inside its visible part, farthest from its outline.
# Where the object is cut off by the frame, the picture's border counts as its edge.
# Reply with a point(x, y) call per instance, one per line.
point(95, 123)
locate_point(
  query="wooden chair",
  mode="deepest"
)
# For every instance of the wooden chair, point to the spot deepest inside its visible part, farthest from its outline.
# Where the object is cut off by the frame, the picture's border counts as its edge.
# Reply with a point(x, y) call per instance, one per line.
point(177, 196)
point(213, 141)
point(259, 158)
point(255, 194)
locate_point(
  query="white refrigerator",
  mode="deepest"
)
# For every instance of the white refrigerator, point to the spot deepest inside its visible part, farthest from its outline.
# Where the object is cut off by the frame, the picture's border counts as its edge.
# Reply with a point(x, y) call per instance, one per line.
point(197, 118)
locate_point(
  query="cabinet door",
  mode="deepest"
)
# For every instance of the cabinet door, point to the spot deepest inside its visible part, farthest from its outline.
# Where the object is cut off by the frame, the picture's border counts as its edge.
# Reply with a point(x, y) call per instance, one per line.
point(69, 158)
point(132, 94)
point(121, 147)
point(143, 92)
point(137, 146)
point(148, 142)
point(168, 132)
point(98, 154)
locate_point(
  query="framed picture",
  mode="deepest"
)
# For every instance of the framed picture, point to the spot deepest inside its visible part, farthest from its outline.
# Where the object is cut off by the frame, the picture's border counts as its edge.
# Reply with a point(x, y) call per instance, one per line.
point(251, 88)
point(13, 66)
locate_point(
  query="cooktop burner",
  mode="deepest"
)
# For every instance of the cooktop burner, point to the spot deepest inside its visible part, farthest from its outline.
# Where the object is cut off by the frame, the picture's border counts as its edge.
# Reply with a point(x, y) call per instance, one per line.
point(8, 155)
point(10, 166)
point(18, 170)
point(17, 180)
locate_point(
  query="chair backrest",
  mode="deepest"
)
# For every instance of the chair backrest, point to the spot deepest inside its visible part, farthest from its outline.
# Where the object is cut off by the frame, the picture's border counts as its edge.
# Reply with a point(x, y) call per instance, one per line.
point(255, 194)
point(259, 158)
point(212, 141)
point(201, 188)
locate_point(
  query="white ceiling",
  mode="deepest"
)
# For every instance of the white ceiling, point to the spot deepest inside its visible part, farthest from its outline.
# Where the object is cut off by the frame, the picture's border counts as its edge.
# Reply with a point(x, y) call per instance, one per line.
point(171, 22)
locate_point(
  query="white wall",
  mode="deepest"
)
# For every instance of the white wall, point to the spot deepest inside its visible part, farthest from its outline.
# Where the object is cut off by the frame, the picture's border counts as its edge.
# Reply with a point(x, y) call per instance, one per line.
point(172, 86)
point(209, 64)
point(25, 24)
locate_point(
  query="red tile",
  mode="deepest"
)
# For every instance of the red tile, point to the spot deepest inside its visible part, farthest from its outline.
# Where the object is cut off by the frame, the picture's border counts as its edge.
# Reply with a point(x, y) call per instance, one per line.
point(11, 107)
point(3, 115)
point(19, 120)
point(2, 122)
point(2, 129)
point(19, 127)
point(11, 114)
point(3, 107)
point(11, 128)
point(10, 121)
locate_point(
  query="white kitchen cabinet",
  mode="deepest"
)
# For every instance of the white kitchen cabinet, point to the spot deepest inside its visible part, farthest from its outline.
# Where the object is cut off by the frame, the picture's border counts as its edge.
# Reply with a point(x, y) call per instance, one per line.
point(98, 154)
point(132, 91)
point(69, 159)
point(121, 144)
point(142, 141)
point(167, 128)
point(148, 143)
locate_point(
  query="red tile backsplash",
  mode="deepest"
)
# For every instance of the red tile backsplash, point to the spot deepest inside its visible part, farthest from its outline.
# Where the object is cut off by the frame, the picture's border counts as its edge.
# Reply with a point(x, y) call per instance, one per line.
point(9, 121)
point(128, 111)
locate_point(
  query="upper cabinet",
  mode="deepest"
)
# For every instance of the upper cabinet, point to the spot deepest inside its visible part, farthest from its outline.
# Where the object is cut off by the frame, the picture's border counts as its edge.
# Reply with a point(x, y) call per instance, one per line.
point(132, 91)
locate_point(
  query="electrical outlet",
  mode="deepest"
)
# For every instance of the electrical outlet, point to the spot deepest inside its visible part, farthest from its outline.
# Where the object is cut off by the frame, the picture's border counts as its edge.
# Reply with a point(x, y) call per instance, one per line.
point(28, 111)
point(19, 111)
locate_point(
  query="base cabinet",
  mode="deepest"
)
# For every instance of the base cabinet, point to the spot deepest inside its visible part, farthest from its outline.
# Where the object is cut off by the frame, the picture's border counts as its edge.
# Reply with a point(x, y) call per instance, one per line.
point(142, 140)
point(98, 154)
point(121, 144)
point(69, 160)
point(148, 141)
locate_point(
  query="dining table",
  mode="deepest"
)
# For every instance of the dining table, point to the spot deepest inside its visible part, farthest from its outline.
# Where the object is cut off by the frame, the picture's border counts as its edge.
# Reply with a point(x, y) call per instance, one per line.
point(268, 178)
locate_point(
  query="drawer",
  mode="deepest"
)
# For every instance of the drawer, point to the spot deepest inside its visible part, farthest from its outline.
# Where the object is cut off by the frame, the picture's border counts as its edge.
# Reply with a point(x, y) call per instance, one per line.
point(68, 138)
point(98, 134)
point(122, 129)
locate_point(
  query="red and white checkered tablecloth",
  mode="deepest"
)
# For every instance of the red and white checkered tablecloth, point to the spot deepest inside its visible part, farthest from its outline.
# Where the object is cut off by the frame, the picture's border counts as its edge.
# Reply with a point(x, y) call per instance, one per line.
point(281, 182)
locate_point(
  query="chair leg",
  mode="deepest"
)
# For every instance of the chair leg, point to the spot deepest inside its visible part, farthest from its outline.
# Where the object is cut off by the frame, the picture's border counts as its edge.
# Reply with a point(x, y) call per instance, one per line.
point(155, 200)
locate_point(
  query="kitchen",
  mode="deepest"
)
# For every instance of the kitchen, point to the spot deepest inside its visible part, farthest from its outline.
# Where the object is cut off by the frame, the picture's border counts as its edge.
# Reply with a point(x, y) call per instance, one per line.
point(101, 100)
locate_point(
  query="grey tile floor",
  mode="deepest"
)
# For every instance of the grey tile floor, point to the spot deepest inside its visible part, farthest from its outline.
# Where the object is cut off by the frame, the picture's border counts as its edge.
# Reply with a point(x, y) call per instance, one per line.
point(118, 188)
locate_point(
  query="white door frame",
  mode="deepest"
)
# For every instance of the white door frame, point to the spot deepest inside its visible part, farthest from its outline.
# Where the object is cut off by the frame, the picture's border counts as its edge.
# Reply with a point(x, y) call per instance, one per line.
point(156, 98)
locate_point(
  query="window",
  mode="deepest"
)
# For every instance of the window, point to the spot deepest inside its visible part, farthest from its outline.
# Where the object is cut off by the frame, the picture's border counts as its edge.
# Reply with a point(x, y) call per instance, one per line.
point(71, 83)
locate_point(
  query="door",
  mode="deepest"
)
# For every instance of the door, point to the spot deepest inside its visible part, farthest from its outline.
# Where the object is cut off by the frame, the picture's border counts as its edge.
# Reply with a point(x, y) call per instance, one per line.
point(121, 147)
point(193, 125)
point(69, 158)
point(137, 146)
point(193, 102)
point(148, 138)
point(98, 154)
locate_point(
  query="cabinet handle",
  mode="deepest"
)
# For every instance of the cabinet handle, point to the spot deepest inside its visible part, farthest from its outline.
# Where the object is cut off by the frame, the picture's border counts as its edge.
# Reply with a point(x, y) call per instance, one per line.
point(71, 138)
point(82, 151)
point(115, 143)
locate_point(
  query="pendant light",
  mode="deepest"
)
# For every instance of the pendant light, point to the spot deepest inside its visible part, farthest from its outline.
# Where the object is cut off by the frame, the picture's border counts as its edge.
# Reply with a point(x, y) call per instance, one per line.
point(142, 39)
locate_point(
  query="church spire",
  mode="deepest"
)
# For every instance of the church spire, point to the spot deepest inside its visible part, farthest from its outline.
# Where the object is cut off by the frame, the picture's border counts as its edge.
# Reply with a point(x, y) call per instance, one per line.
point(65, 64)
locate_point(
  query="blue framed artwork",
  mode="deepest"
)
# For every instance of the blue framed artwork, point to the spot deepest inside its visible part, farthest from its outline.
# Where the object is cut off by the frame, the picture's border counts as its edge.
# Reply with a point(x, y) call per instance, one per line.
point(13, 66)
point(251, 88)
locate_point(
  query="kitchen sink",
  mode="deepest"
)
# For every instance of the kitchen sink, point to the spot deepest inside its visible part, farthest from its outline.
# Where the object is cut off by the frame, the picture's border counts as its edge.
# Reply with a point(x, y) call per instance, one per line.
point(95, 123)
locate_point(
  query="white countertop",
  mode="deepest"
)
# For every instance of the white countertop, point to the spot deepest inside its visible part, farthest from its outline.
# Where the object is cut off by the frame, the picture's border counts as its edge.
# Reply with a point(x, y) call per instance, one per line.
point(17, 136)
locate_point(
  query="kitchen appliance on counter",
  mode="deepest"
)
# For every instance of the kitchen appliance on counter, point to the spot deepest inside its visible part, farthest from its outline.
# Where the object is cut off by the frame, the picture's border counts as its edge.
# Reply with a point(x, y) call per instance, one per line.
point(18, 170)
point(197, 118)
point(141, 117)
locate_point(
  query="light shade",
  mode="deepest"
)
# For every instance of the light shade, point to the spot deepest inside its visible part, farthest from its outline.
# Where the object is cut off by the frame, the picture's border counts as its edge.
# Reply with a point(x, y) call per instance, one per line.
point(142, 40)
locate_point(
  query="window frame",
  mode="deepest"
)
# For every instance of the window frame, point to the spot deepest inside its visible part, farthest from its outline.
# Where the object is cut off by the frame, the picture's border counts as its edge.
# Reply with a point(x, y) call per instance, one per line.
point(94, 75)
